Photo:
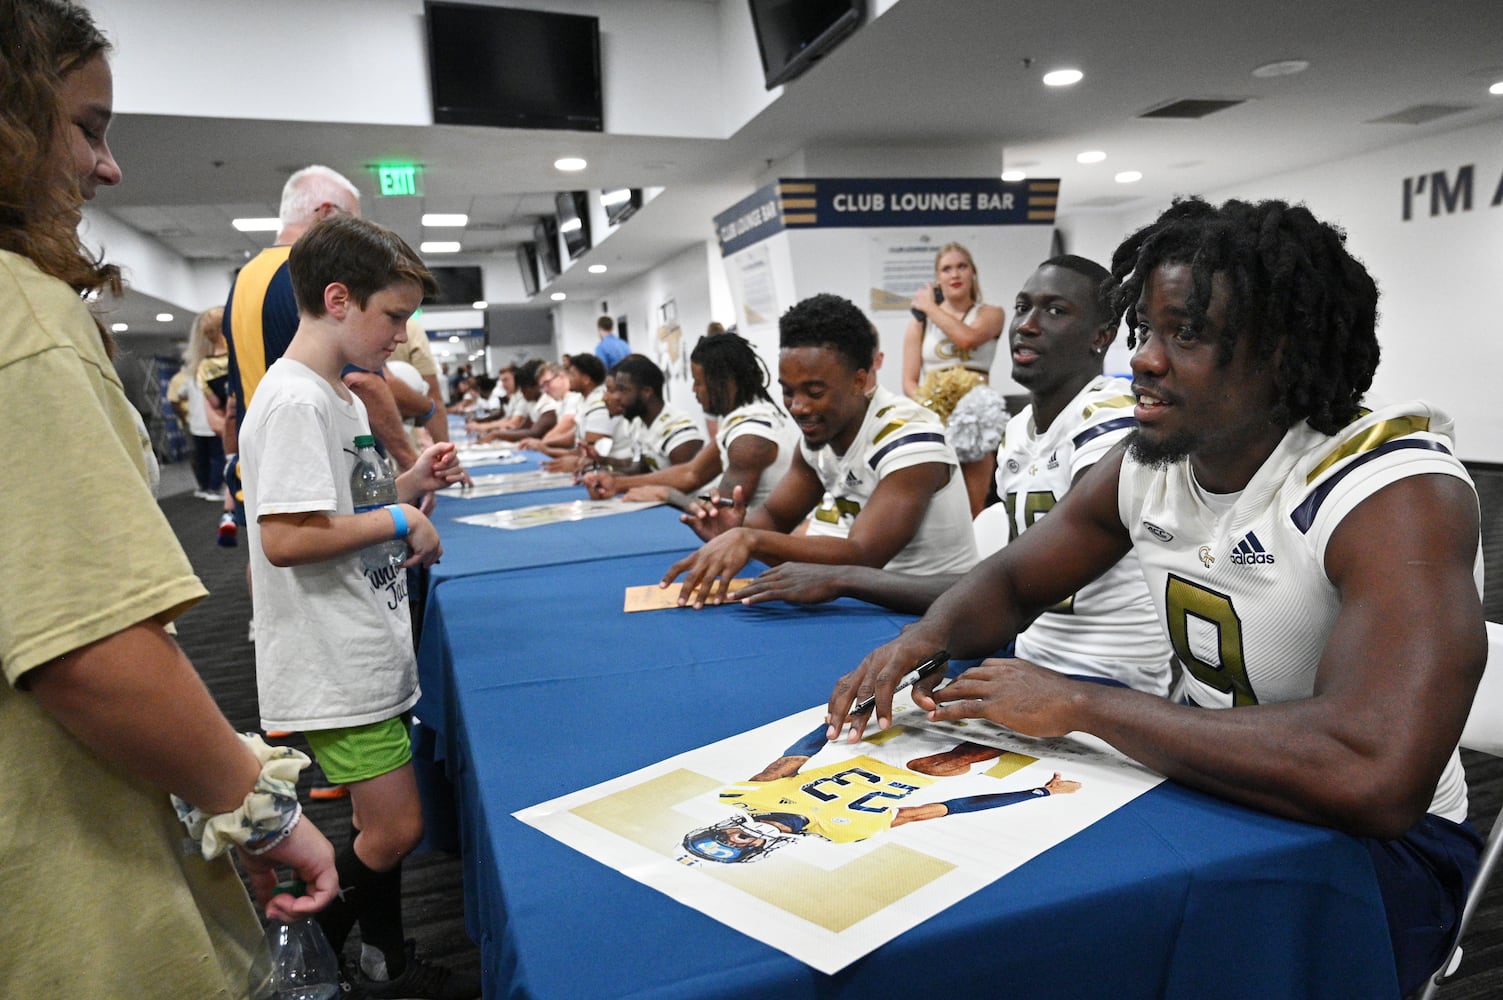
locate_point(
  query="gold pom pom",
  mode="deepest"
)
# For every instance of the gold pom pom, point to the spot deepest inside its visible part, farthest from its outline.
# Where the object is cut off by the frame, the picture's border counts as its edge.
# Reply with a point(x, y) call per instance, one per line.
point(944, 387)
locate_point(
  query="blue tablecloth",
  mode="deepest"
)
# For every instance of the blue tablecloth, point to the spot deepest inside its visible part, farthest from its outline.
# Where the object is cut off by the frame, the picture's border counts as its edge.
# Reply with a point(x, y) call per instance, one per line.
point(545, 687)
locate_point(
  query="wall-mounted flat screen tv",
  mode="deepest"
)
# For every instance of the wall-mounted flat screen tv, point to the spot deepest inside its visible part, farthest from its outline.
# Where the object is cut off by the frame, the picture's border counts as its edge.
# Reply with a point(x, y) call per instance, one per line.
point(457, 286)
point(574, 221)
point(793, 35)
point(527, 263)
point(512, 68)
point(545, 235)
point(620, 204)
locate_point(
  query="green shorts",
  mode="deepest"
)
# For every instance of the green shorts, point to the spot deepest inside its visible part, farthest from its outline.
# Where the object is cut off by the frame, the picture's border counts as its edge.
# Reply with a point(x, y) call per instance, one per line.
point(358, 753)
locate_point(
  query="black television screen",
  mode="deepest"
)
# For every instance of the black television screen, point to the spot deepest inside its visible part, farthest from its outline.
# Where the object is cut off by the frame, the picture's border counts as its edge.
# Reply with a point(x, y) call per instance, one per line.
point(620, 204)
point(794, 34)
point(574, 221)
point(527, 263)
point(512, 68)
point(545, 235)
point(457, 286)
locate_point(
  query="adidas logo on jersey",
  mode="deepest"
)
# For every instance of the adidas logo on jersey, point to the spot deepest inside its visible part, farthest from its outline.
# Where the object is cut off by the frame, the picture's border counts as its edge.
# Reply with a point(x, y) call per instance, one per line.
point(1053, 461)
point(851, 482)
point(1250, 551)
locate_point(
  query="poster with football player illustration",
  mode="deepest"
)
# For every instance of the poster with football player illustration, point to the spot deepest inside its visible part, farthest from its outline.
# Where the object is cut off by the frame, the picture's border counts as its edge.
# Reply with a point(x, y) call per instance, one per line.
point(825, 850)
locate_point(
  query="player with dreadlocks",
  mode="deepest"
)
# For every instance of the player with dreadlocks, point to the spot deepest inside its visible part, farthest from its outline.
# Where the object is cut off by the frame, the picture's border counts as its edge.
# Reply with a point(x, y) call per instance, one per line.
point(754, 443)
point(1315, 564)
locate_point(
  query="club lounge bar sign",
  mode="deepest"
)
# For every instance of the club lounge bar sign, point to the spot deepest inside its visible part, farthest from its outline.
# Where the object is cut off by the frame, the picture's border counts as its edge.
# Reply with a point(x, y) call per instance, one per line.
point(866, 202)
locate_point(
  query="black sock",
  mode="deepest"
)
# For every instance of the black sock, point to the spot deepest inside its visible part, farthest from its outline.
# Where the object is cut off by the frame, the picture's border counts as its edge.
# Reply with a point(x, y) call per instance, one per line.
point(381, 919)
point(338, 917)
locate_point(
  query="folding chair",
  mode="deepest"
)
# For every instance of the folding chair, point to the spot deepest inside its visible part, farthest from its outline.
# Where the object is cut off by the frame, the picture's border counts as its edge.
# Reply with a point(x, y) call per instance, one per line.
point(1483, 732)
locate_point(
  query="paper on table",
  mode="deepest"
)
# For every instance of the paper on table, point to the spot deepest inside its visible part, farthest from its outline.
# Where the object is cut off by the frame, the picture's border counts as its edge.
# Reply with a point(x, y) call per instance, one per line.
point(873, 855)
point(501, 483)
point(554, 513)
point(651, 597)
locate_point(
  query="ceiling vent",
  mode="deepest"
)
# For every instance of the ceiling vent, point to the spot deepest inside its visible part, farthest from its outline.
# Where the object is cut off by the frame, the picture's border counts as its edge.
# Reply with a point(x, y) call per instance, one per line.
point(1193, 107)
point(1421, 114)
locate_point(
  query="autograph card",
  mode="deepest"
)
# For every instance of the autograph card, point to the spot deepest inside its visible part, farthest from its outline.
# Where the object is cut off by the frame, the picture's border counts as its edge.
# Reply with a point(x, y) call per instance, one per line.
point(651, 597)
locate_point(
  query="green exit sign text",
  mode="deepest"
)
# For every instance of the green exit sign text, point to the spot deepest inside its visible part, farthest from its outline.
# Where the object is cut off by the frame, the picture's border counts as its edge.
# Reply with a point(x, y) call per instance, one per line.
point(398, 180)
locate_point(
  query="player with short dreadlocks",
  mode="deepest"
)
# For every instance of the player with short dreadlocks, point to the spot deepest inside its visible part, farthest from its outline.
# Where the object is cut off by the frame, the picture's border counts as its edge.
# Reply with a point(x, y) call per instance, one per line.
point(1292, 280)
point(1315, 564)
point(753, 445)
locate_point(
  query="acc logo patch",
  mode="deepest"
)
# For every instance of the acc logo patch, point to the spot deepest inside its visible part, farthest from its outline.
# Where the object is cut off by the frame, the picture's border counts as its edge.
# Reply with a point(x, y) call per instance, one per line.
point(1158, 532)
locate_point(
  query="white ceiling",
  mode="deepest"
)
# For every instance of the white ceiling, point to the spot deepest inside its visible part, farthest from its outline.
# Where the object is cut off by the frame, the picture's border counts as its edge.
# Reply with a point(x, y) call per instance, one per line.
point(925, 73)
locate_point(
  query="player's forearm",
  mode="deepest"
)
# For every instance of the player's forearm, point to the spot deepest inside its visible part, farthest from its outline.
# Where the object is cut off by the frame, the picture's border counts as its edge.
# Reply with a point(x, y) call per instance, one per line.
point(1282, 759)
point(773, 547)
point(903, 592)
point(952, 614)
point(135, 700)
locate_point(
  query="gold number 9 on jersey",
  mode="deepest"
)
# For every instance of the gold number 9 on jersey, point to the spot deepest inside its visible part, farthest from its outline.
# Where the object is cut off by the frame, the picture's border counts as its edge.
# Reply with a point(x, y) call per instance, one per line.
point(1183, 599)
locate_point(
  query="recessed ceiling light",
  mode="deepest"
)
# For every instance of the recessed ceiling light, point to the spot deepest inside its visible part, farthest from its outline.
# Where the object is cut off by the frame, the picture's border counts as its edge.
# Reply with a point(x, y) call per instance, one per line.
point(164, 317)
point(1014, 175)
point(1284, 67)
point(570, 163)
point(453, 339)
point(1496, 88)
point(597, 268)
point(1129, 176)
point(119, 327)
point(573, 225)
point(619, 196)
point(1063, 77)
point(439, 246)
point(257, 225)
point(1091, 156)
point(440, 220)
point(558, 296)
point(480, 304)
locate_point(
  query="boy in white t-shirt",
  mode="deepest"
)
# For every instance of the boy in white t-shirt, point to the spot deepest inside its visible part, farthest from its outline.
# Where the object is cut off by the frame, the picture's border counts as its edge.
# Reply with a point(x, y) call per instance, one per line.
point(334, 653)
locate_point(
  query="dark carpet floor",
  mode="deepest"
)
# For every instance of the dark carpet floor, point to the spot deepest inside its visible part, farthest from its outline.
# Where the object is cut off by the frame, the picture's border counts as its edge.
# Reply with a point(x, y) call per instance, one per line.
point(214, 635)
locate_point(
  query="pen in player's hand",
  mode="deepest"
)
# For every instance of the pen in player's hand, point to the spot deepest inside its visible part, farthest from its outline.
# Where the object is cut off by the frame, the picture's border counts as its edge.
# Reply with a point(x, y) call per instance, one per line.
point(718, 501)
point(912, 677)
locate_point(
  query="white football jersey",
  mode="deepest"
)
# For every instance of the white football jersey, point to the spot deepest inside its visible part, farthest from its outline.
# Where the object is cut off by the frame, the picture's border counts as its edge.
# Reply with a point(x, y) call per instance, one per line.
point(763, 419)
point(1240, 582)
point(1109, 628)
point(656, 441)
point(896, 433)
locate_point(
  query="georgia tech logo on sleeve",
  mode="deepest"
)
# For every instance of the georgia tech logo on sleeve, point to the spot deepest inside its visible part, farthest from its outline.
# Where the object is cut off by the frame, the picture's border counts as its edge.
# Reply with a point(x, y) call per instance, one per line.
point(1206, 559)
point(1158, 532)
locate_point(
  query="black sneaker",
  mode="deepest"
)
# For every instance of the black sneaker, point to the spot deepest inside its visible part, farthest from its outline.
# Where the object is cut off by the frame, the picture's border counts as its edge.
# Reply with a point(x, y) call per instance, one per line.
point(350, 985)
point(423, 980)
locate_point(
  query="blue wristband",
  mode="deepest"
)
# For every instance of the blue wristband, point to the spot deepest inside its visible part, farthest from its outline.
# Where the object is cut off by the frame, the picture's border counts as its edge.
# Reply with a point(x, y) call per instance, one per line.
point(432, 409)
point(399, 519)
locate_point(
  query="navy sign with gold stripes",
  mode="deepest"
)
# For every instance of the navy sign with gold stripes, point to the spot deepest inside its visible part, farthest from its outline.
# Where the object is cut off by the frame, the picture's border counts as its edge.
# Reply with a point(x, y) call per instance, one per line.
point(862, 202)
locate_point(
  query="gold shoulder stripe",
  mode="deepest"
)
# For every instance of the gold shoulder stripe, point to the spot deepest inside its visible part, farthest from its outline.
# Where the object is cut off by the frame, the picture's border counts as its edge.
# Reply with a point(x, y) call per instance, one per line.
point(885, 410)
point(888, 430)
point(1115, 403)
point(1370, 439)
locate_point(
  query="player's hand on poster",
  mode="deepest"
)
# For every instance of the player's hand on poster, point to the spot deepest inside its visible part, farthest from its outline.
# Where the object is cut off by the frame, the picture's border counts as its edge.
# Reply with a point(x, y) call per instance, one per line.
point(1020, 695)
point(878, 677)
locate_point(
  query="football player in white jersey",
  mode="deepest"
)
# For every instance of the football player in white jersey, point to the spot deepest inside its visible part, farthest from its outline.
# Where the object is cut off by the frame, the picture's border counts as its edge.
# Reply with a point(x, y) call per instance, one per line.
point(662, 434)
point(1062, 325)
point(873, 468)
point(539, 412)
point(754, 443)
point(1316, 565)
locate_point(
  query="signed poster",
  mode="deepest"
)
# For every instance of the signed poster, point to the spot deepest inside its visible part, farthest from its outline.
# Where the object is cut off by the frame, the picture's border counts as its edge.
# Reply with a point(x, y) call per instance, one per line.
point(827, 850)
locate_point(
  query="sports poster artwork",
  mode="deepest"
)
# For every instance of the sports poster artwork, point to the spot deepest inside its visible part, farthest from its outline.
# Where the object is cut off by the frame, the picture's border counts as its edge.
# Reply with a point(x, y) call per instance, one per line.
point(826, 851)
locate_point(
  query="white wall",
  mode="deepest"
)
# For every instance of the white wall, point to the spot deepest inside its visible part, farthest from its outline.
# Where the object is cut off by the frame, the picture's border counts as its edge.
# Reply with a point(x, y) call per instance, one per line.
point(1440, 321)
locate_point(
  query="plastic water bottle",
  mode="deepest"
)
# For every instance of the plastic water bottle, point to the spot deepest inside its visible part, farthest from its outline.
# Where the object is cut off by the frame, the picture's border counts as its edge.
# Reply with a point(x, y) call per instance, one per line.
point(295, 961)
point(373, 485)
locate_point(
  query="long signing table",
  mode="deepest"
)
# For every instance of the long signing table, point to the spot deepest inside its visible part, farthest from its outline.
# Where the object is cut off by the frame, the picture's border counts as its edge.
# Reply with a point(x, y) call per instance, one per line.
point(537, 684)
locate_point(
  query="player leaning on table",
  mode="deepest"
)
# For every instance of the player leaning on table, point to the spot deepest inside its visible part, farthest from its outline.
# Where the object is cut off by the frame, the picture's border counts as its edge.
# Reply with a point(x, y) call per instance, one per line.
point(873, 469)
point(1315, 564)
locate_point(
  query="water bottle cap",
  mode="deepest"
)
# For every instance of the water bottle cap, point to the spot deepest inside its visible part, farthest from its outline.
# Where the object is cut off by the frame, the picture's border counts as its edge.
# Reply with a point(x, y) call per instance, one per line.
point(292, 887)
point(365, 441)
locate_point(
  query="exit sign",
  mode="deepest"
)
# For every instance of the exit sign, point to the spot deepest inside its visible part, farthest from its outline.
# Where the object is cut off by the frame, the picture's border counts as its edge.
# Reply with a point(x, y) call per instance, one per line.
point(398, 180)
